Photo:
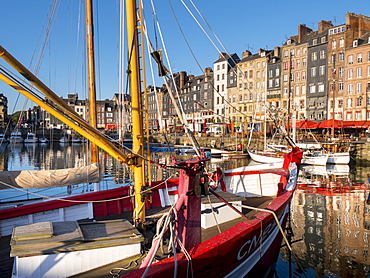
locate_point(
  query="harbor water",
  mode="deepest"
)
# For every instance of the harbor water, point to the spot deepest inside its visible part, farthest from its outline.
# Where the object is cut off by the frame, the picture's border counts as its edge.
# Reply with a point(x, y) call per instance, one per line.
point(329, 227)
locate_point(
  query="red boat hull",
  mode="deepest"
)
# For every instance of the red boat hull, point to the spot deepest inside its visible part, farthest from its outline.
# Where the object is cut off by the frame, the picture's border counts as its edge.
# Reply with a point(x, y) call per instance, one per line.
point(235, 252)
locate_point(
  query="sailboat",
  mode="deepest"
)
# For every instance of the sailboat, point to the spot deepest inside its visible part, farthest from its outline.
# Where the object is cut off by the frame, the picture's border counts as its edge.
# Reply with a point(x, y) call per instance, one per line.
point(213, 231)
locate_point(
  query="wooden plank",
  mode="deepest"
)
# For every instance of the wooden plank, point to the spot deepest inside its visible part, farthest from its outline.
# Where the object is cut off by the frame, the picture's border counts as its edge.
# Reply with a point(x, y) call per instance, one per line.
point(66, 231)
point(70, 236)
point(33, 231)
point(104, 230)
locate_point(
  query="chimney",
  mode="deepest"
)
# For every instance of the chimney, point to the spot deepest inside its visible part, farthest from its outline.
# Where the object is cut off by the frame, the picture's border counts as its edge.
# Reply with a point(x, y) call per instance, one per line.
point(323, 25)
point(303, 30)
point(182, 79)
point(223, 55)
point(246, 53)
point(276, 51)
point(207, 71)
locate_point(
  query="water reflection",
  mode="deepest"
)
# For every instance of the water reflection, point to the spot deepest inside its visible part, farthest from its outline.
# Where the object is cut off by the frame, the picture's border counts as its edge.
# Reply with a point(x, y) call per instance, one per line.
point(62, 156)
point(330, 218)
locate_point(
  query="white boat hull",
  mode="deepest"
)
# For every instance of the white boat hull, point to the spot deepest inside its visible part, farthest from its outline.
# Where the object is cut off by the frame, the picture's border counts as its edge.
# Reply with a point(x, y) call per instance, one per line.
point(315, 159)
point(265, 158)
point(339, 158)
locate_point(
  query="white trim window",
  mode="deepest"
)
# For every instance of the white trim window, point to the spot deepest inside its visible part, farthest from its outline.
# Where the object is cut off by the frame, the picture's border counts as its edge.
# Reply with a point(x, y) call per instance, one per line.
point(322, 70)
point(313, 71)
point(312, 89)
point(350, 89)
point(359, 72)
point(358, 88)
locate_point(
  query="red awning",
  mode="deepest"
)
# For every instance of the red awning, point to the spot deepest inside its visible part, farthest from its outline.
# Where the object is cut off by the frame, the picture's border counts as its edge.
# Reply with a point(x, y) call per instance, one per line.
point(330, 123)
point(356, 124)
point(306, 124)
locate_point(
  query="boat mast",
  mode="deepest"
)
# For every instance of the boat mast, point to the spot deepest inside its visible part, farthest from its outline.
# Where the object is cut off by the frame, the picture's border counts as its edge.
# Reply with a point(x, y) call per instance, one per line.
point(136, 103)
point(91, 74)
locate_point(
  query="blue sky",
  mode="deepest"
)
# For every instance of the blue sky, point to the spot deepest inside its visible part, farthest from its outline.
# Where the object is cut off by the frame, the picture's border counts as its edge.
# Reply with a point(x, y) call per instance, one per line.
point(239, 24)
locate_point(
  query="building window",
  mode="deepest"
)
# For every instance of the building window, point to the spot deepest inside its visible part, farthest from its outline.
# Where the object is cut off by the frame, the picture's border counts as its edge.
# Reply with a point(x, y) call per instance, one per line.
point(334, 44)
point(350, 89)
point(223, 66)
point(321, 87)
point(358, 88)
point(270, 83)
point(277, 82)
point(341, 72)
point(304, 62)
point(303, 75)
point(322, 54)
point(341, 43)
point(312, 89)
point(359, 72)
point(286, 54)
point(223, 76)
point(313, 56)
point(350, 73)
point(349, 102)
point(313, 71)
point(333, 58)
point(359, 58)
point(285, 65)
point(297, 76)
point(359, 101)
point(368, 70)
point(341, 56)
point(350, 59)
point(341, 86)
point(277, 72)
point(323, 39)
point(314, 41)
point(322, 70)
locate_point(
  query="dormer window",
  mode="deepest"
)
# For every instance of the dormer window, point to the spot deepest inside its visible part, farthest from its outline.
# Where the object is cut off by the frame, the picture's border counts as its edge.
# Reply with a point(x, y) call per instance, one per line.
point(355, 43)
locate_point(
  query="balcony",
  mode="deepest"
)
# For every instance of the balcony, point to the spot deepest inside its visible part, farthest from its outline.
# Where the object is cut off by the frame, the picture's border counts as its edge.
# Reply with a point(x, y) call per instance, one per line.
point(274, 96)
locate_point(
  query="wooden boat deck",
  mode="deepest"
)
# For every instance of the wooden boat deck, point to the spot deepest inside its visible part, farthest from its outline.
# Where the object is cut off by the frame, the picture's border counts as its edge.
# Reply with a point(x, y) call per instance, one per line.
point(6, 262)
point(133, 263)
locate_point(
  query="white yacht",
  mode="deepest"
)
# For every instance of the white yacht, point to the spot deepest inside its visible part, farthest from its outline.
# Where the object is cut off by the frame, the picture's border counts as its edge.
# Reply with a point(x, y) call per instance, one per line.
point(31, 138)
point(16, 137)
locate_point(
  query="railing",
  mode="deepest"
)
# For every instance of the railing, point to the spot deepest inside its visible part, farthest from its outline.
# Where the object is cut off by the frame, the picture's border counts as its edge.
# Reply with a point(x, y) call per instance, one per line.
point(274, 96)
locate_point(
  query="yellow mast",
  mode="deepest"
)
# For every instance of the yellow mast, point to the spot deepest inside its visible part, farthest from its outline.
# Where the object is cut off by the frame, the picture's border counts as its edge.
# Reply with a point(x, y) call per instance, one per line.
point(136, 114)
point(91, 74)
